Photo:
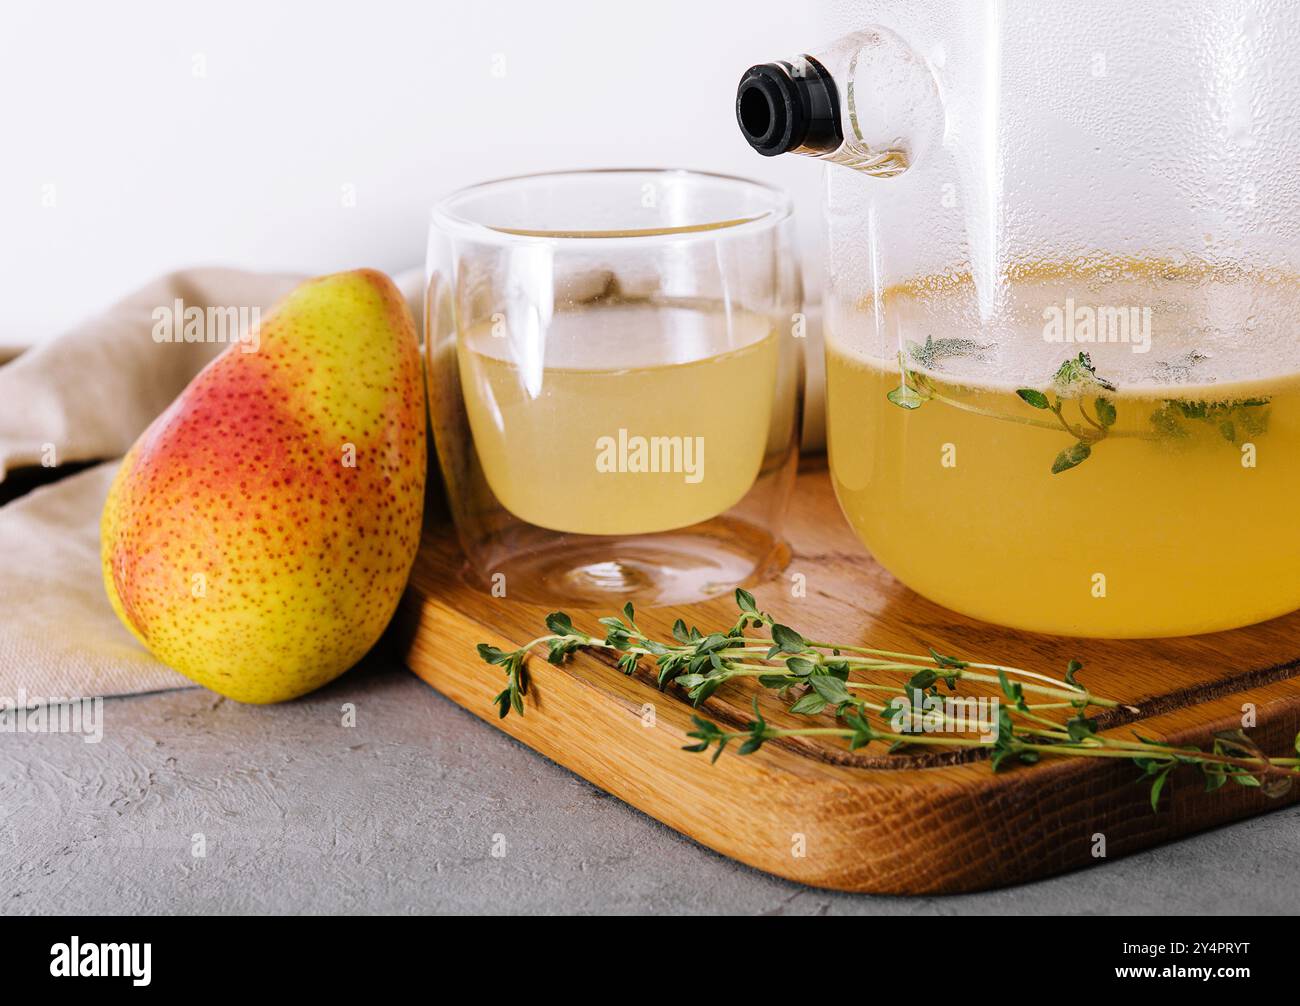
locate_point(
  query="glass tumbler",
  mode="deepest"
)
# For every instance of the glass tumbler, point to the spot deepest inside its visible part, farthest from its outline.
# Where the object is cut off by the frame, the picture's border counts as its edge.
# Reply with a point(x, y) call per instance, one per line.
point(615, 378)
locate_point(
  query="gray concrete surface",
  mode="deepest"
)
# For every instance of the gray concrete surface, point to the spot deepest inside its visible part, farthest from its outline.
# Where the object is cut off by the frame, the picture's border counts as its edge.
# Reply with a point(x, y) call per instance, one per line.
point(398, 814)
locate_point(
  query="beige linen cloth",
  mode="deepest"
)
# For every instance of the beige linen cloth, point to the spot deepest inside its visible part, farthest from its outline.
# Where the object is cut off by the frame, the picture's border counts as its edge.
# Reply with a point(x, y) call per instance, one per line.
point(85, 397)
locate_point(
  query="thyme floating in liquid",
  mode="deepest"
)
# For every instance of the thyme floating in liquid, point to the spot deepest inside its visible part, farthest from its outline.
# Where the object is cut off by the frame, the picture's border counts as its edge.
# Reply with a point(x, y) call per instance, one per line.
point(1079, 401)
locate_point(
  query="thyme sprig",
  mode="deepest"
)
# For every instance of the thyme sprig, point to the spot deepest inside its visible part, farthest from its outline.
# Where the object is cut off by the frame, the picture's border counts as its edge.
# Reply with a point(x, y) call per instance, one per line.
point(1037, 715)
point(1074, 381)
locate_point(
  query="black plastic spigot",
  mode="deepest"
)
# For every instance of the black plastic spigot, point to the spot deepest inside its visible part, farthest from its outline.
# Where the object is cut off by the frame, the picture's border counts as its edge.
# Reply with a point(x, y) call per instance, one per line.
point(789, 106)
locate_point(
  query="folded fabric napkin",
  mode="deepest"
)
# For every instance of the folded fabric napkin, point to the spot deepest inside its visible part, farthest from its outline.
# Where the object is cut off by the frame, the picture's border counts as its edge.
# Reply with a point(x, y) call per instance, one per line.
point(85, 398)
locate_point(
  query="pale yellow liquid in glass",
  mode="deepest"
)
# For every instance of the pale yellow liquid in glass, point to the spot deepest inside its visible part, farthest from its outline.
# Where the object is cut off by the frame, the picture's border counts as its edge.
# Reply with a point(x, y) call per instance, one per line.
point(549, 415)
point(1182, 519)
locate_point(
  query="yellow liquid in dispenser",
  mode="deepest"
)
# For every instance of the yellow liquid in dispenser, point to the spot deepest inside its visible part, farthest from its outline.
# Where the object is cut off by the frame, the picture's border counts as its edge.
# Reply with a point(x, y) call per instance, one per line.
point(1182, 518)
point(569, 429)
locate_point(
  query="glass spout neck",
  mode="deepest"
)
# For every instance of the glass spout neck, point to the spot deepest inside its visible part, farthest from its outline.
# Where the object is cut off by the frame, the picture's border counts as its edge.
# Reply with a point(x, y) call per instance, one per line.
point(867, 101)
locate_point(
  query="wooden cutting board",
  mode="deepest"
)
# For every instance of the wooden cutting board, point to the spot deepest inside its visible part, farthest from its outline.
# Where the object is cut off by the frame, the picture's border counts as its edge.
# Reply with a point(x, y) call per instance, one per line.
point(812, 811)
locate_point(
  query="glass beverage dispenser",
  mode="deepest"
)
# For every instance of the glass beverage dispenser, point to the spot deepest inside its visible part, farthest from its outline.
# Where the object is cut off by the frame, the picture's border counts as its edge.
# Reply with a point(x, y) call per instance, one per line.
point(1063, 286)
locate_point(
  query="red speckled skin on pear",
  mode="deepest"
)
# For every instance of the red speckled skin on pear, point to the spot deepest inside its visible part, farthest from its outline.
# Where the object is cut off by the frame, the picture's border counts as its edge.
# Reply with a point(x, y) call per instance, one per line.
point(239, 493)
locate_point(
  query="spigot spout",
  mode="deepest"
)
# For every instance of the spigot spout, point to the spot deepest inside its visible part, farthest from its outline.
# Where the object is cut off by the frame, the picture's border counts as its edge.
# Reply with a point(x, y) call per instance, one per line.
point(789, 106)
point(868, 102)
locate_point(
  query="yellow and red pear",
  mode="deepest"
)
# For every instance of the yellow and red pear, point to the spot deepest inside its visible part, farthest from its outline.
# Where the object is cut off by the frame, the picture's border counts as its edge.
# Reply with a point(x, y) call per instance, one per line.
point(259, 534)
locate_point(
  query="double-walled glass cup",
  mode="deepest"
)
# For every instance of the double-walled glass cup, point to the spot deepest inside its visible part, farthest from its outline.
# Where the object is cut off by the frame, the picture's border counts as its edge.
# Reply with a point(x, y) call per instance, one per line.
point(615, 381)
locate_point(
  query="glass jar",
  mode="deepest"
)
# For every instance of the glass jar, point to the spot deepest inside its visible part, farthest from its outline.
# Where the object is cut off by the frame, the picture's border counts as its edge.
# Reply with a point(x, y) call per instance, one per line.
point(1063, 278)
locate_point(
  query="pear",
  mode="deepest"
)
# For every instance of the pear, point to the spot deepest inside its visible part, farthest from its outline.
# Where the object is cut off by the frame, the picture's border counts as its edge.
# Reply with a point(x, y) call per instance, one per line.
point(259, 534)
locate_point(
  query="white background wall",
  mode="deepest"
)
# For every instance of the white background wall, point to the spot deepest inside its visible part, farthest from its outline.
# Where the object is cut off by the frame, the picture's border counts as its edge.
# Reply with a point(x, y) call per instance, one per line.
point(176, 134)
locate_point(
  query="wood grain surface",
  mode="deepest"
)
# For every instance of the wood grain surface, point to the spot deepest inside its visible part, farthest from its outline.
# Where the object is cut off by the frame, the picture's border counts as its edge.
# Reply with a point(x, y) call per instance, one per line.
point(810, 810)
